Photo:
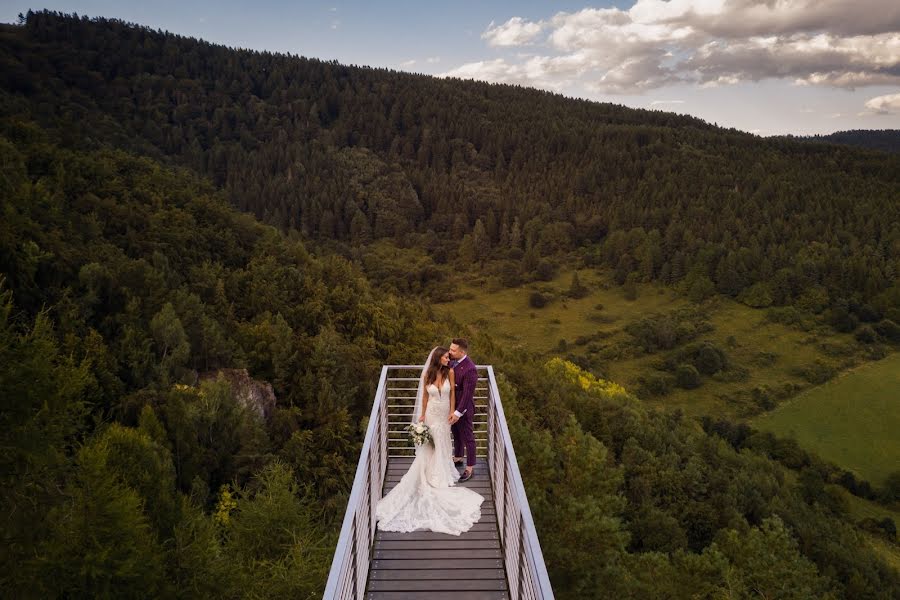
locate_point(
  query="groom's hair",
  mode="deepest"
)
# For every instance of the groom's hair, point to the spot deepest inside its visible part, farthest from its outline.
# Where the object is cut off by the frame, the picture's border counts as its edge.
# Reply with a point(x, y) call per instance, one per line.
point(462, 343)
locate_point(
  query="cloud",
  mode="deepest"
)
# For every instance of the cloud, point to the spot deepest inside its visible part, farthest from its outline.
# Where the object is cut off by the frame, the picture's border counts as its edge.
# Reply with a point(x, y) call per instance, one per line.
point(406, 64)
point(515, 32)
point(433, 60)
point(707, 42)
point(658, 102)
point(888, 104)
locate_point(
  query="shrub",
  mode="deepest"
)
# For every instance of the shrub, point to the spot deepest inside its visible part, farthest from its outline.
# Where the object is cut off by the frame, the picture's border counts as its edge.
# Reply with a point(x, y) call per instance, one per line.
point(866, 335)
point(687, 377)
point(656, 384)
point(537, 300)
point(709, 359)
point(816, 373)
point(888, 330)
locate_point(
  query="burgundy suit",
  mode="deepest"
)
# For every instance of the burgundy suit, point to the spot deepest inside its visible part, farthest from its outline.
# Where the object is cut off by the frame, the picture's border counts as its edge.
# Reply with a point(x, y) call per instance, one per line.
point(466, 377)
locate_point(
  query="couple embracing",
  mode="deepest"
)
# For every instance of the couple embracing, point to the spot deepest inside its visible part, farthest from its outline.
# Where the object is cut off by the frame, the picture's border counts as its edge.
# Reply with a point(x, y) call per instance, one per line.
point(426, 496)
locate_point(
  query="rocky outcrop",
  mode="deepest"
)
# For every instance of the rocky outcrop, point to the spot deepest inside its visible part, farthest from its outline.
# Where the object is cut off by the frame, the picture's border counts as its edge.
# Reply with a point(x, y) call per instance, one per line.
point(257, 396)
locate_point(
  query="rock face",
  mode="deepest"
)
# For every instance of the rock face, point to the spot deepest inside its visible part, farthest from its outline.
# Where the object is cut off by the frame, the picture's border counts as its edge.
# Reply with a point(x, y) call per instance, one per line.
point(257, 396)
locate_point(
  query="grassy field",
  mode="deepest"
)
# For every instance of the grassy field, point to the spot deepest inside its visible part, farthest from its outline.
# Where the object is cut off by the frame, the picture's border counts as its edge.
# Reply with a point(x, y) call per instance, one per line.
point(604, 312)
point(852, 420)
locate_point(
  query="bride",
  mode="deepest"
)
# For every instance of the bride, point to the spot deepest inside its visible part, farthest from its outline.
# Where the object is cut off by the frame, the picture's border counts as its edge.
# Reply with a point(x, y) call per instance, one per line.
point(425, 498)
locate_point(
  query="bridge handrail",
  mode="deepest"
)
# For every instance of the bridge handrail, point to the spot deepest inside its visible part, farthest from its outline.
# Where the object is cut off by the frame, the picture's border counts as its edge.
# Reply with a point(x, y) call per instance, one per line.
point(527, 560)
point(346, 557)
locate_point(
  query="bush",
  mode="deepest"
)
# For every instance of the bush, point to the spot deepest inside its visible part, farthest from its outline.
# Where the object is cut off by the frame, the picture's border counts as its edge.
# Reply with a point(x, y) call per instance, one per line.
point(866, 335)
point(546, 270)
point(762, 396)
point(888, 330)
point(709, 360)
point(510, 274)
point(757, 295)
point(537, 300)
point(656, 384)
point(687, 377)
point(868, 313)
point(816, 373)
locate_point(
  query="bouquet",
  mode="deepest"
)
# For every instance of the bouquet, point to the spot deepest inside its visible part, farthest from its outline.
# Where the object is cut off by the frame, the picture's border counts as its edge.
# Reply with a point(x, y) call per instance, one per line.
point(419, 434)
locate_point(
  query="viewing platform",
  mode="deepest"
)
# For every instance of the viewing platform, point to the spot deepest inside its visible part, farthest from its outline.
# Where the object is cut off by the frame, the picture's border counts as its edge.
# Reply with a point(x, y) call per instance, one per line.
point(498, 559)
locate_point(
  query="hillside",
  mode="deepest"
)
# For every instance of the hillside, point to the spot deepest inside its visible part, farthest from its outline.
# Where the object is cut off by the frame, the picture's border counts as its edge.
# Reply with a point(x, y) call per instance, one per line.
point(504, 180)
point(129, 267)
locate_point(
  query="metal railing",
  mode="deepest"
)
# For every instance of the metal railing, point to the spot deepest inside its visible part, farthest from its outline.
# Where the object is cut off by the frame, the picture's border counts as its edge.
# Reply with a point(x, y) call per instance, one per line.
point(385, 438)
point(526, 572)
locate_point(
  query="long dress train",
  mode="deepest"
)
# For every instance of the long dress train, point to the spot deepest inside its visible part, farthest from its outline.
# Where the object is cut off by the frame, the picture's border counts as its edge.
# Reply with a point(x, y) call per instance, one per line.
point(426, 496)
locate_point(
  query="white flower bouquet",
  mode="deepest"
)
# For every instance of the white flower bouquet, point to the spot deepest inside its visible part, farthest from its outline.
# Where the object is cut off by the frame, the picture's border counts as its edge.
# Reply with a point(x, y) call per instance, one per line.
point(419, 434)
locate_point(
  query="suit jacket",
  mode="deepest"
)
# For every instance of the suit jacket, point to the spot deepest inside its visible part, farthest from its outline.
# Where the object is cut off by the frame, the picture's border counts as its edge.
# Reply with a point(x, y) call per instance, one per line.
point(466, 376)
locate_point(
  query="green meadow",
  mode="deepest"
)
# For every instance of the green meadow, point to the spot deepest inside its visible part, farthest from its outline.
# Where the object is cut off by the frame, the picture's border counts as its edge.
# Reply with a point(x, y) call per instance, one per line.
point(852, 420)
point(771, 354)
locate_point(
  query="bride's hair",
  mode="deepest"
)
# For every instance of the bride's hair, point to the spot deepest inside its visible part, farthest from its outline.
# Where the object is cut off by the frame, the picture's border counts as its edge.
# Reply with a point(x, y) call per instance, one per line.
point(435, 366)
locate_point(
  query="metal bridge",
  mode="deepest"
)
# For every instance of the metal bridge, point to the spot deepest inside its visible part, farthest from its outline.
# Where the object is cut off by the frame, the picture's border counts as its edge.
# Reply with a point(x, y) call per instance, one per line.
point(499, 558)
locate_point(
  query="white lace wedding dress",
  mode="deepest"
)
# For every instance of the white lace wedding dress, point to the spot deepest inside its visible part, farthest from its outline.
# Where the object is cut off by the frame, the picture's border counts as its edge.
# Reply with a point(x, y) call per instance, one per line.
point(426, 496)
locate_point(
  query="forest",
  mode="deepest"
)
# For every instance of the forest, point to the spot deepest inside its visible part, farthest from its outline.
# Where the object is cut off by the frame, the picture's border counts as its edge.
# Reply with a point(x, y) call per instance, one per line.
point(505, 180)
point(175, 210)
point(886, 140)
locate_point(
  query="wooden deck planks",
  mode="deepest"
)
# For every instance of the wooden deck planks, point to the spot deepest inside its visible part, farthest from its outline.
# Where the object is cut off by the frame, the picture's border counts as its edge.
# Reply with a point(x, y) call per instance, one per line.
point(437, 566)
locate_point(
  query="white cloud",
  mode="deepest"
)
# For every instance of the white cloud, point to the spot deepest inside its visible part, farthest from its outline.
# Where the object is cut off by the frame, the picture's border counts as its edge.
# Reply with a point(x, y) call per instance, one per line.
point(408, 63)
point(836, 43)
point(515, 32)
point(658, 102)
point(888, 104)
point(433, 60)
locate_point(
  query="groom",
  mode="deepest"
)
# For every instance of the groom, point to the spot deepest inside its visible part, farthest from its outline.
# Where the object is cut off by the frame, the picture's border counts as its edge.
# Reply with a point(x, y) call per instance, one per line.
point(461, 420)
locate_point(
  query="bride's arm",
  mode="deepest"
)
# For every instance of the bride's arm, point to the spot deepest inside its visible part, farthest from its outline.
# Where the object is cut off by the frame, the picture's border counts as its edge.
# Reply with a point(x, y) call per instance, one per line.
point(452, 392)
point(424, 404)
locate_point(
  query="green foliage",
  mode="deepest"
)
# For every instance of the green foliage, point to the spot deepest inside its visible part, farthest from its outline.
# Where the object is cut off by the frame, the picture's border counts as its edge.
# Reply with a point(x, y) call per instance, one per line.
point(101, 542)
point(42, 409)
point(345, 155)
point(172, 346)
point(274, 538)
point(757, 295)
point(666, 331)
point(765, 562)
point(123, 278)
point(687, 376)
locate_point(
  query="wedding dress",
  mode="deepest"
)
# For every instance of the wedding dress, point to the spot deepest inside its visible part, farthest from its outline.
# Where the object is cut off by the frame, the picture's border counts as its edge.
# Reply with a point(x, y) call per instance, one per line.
point(426, 496)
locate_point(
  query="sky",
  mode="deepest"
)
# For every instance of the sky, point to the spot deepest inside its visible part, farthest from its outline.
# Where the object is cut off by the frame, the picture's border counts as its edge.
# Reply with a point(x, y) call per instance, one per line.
point(764, 66)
